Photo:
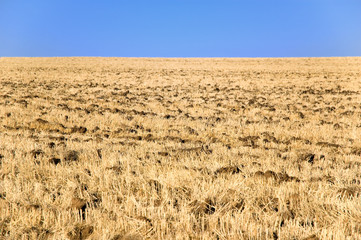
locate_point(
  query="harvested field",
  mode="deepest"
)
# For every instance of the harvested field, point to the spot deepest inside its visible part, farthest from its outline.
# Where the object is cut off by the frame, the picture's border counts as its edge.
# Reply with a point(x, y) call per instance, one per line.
point(127, 148)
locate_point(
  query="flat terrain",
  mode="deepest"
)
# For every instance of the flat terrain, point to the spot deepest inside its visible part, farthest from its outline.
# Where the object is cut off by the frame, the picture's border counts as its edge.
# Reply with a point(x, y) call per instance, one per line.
point(123, 148)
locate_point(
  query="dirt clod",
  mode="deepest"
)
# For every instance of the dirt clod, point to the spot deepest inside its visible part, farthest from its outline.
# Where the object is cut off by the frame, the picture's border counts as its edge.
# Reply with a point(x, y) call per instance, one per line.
point(78, 203)
point(55, 160)
point(71, 156)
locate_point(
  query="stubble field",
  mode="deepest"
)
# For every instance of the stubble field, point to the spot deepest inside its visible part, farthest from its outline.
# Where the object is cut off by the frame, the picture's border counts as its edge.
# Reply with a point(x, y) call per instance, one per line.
point(122, 148)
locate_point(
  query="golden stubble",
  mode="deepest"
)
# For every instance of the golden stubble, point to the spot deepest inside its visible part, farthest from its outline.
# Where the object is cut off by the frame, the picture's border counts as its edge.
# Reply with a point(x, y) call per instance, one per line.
point(133, 148)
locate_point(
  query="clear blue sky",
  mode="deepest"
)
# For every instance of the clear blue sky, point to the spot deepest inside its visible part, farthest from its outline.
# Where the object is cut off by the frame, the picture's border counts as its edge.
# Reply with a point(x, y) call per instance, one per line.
point(180, 28)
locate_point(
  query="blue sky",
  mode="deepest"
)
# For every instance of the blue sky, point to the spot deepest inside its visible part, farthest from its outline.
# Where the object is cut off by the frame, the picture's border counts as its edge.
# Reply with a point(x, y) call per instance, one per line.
point(180, 28)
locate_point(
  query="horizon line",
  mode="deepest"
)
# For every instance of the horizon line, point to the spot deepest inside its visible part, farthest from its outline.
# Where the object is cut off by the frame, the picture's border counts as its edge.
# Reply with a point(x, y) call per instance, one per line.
point(168, 57)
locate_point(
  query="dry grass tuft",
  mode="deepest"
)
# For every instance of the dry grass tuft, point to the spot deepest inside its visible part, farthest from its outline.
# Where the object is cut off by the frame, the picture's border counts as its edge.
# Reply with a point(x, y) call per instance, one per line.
point(349, 192)
point(127, 236)
point(228, 170)
point(203, 207)
point(312, 237)
point(81, 232)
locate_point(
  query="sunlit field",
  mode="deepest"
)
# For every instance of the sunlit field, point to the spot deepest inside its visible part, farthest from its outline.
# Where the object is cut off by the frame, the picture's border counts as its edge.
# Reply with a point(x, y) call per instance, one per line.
point(127, 148)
